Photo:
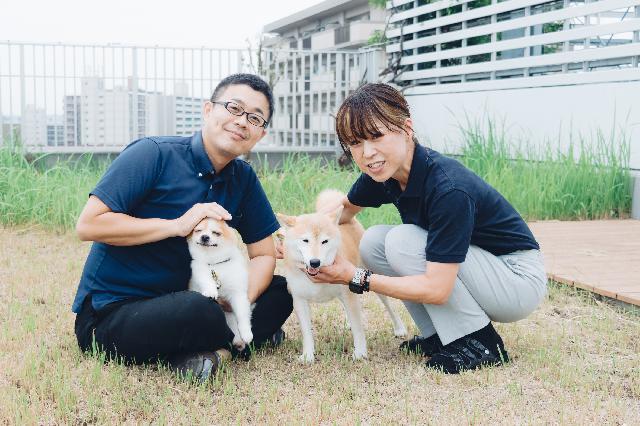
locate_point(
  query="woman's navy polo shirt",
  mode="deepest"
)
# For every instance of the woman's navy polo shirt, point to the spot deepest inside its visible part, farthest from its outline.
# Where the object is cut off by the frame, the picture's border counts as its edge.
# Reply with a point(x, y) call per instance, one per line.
point(454, 205)
point(163, 177)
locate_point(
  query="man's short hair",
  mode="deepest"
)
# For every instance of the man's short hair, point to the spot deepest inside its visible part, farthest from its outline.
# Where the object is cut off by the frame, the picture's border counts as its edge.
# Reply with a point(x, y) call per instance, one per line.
point(251, 80)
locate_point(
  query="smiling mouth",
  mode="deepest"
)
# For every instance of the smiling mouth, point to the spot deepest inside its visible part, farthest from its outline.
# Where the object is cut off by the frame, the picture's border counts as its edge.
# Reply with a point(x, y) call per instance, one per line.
point(207, 245)
point(376, 166)
point(240, 135)
point(312, 271)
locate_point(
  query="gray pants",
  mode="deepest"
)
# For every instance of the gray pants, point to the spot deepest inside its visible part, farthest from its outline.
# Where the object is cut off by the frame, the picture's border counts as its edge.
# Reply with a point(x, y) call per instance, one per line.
point(488, 287)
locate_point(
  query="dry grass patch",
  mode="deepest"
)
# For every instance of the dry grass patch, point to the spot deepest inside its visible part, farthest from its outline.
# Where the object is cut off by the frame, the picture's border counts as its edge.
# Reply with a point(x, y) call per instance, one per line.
point(575, 360)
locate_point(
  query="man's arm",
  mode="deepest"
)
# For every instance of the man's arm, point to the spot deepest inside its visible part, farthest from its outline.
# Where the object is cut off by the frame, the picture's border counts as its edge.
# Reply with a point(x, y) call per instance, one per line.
point(98, 222)
point(262, 264)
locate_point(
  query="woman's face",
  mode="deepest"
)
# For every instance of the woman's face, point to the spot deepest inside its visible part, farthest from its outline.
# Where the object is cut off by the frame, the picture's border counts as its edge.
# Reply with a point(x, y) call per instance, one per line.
point(386, 156)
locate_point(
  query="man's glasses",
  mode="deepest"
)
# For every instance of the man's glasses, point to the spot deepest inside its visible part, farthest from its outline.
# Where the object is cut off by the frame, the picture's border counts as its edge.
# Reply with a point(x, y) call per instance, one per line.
point(237, 110)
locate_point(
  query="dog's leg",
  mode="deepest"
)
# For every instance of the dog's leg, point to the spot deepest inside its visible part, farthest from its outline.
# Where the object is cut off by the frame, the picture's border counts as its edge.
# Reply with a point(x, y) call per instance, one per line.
point(202, 282)
point(303, 312)
point(233, 325)
point(399, 330)
point(242, 311)
point(353, 310)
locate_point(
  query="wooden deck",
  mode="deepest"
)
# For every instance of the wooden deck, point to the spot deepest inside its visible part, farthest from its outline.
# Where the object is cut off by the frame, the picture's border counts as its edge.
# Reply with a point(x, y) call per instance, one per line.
point(601, 256)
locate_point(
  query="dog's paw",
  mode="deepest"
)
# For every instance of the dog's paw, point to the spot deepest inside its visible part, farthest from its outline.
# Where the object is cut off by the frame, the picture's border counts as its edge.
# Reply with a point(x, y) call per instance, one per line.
point(306, 358)
point(400, 332)
point(357, 355)
point(247, 337)
point(238, 343)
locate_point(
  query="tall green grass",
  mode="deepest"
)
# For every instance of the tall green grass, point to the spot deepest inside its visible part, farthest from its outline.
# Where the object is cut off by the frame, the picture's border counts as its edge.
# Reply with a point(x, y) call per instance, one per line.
point(52, 197)
point(590, 180)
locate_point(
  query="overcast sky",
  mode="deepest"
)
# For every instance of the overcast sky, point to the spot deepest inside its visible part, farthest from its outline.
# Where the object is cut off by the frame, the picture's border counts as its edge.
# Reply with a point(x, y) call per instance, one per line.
point(211, 23)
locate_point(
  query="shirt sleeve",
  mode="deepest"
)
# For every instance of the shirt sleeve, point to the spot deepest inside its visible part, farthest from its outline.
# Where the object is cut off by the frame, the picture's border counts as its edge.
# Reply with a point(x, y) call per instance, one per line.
point(257, 220)
point(451, 222)
point(366, 192)
point(130, 177)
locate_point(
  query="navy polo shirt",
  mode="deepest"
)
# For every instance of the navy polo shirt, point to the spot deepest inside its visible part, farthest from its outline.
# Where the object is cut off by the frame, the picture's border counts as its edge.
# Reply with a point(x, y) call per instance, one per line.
point(163, 177)
point(454, 205)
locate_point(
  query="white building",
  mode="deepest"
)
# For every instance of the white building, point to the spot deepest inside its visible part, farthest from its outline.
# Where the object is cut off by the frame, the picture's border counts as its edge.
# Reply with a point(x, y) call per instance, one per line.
point(33, 126)
point(119, 115)
point(315, 60)
point(329, 25)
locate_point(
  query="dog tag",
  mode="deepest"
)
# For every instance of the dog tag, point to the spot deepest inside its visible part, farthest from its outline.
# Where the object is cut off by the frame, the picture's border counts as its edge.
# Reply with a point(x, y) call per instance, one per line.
point(216, 279)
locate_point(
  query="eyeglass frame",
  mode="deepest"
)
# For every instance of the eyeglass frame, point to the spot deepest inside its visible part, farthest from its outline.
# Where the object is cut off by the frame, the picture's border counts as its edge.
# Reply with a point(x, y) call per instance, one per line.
point(224, 104)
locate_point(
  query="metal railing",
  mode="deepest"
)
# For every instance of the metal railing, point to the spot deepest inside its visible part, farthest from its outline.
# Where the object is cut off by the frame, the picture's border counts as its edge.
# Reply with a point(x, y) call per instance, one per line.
point(99, 98)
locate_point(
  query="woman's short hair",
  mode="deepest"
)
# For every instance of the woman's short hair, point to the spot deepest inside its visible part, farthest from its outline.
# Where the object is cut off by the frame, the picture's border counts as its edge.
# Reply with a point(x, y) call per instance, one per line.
point(369, 106)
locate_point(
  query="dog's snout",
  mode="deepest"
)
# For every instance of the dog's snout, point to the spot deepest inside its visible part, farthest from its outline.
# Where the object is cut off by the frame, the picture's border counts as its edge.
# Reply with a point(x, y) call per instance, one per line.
point(204, 239)
point(314, 263)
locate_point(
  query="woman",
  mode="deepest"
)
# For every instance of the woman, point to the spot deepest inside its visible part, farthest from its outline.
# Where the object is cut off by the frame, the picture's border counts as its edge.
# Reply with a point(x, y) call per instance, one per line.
point(463, 256)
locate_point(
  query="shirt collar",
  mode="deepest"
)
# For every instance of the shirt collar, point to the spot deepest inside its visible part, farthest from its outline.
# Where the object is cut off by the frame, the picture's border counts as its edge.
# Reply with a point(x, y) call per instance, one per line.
point(202, 163)
point(415, 183)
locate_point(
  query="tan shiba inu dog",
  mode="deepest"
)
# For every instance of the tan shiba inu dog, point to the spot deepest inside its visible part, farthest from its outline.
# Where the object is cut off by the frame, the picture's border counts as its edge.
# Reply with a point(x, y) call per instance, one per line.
point(220, 270)
point(310, 242)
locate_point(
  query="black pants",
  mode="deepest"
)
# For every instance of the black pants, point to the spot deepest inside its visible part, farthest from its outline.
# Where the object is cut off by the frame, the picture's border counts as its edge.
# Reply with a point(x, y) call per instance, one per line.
point(148, 330)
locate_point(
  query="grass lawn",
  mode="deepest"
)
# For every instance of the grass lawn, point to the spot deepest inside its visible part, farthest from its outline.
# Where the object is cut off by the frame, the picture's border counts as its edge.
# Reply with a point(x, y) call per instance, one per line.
point(575, 361)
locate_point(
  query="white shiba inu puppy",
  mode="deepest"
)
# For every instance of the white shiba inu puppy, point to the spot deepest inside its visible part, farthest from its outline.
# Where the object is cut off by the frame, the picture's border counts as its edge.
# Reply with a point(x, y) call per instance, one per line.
point(310, 242)
point(220, 270)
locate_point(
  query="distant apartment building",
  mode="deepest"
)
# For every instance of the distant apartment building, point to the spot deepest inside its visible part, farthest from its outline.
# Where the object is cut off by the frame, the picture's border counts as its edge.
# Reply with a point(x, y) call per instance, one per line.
point(37, 128)
point(115, 116)
point(72, 120)
point(33, 125)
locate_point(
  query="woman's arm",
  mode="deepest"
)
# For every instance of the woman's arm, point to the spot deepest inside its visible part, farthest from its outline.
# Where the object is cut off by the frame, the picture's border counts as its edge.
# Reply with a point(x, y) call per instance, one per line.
point(432, 287)
point(349, 210)
point(98, 222)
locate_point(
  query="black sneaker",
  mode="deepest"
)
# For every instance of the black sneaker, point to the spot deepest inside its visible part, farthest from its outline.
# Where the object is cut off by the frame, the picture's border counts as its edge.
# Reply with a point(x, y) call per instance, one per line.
point(476, 350)
point(199, 367)
point(425, 346)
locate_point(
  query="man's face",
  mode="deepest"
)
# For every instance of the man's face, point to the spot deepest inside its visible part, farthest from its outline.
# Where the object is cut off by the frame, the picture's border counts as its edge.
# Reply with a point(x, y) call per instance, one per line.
point(231, 135)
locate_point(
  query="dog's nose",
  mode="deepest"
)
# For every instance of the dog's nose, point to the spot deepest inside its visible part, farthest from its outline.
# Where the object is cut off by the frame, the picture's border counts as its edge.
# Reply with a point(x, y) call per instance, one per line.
point(204, 239)
point(314, 263)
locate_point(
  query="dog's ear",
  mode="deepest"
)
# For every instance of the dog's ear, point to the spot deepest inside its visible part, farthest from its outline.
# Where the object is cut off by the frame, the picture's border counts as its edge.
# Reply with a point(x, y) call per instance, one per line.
point(286, 221)
point(335, 215)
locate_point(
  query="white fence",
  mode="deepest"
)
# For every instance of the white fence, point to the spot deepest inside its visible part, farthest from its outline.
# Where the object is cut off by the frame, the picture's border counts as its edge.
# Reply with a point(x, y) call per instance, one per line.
point(89, 98)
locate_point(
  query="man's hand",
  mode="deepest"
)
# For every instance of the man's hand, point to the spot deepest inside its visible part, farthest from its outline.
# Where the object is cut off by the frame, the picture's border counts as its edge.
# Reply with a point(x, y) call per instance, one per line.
point(185, 223)
point(340, 272)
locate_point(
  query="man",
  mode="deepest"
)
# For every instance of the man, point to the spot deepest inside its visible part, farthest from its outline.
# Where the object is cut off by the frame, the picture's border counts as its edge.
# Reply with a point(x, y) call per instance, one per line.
point(132, 299)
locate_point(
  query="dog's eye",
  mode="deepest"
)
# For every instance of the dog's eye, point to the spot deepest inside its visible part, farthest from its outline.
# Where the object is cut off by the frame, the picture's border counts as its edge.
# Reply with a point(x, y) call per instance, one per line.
point(305, 240)
point(325, 241)
point(216, 233)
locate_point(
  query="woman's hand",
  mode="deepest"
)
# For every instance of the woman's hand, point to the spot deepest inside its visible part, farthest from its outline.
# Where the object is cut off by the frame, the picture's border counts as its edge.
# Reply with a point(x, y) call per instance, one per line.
point(340, 272)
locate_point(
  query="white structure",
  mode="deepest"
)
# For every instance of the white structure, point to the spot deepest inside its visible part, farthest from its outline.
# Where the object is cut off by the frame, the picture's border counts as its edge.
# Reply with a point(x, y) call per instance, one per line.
point(106, 95)
point(329, 25)
point(554, 71)
point(313, 65)
point(33, 125)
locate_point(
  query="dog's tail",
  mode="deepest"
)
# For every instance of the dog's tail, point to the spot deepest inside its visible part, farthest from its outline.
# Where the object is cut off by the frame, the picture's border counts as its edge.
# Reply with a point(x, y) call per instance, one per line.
point(327, 199)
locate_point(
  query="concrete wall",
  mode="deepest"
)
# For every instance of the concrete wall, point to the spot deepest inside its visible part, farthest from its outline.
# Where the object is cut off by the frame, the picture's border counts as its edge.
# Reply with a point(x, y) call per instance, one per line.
point(541, 115)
